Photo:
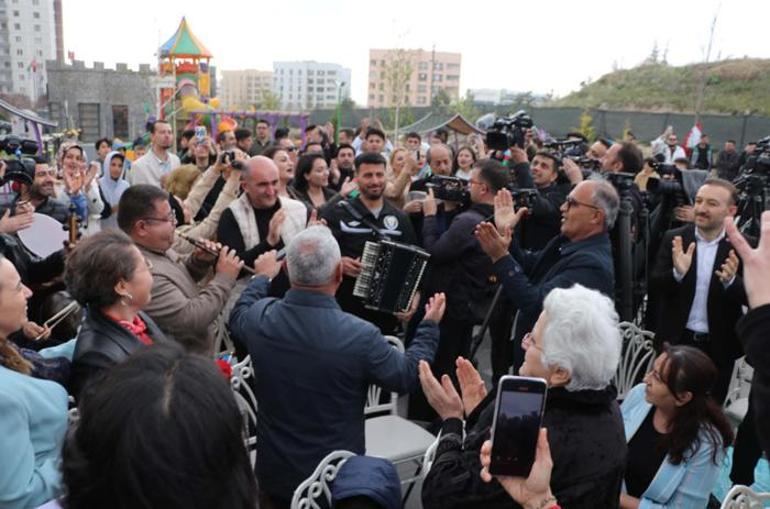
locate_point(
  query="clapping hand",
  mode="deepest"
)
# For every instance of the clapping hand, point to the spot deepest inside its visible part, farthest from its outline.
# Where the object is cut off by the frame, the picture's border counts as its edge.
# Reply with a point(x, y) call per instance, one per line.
point(756, 262)
point(274, 229)
point(682, 259)
point(472, 386)
point(505, 215)
point(728, 270)
point(442, 396)
point(494, 244)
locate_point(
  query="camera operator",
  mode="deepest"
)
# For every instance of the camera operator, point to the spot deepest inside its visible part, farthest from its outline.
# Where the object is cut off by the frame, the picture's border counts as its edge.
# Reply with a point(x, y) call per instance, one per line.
point(544, 219)
point(41, 193)
point(461, 269)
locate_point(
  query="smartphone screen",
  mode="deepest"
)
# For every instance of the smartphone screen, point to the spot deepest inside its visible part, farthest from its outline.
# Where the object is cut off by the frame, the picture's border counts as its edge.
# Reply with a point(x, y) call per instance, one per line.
point(200, 132)
point(518, 416)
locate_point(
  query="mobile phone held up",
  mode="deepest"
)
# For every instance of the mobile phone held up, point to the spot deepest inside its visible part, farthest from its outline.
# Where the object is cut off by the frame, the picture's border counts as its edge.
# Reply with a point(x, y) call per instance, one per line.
point(200, 132)
point(519, 410)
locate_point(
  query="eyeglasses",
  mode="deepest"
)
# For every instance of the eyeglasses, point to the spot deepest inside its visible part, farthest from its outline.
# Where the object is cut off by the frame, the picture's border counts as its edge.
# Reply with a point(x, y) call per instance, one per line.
point(171, 218)
point(527, 342)
point(290, 149)
point(572, 202)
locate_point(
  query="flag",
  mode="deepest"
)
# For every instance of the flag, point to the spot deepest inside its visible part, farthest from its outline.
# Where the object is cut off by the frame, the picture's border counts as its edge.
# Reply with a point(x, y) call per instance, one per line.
point(71, 55)
point(693, 136)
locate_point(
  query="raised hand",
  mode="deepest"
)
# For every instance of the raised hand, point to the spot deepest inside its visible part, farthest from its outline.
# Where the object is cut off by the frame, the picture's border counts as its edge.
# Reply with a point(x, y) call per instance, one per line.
point(434, 309)
point(492, 243)
point(442, 396)
point(756, 262)
point(274, 229)
point(682, 259)
point(472, 386)
point(728, 270)
point(505, 215)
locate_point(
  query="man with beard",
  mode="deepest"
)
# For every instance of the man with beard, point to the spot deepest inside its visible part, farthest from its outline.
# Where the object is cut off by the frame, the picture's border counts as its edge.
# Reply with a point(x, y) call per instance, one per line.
point(41, 194)
point(352, 233)
point(158, 161)
point(343, 167)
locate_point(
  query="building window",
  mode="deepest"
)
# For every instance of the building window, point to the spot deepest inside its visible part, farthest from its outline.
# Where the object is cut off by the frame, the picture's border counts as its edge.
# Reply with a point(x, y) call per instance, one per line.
point(15, 14)
point(452, 77)
point(422, 100)
point(422, 77)
point(372, 86)
point(382, 98)
point(373, 63)
point(421, 89)
point(423, 66)
point(16, 26)
point(89, 120)
point(36, 15)
point(18, 38)
point(437, 77)
point(37, 28)
point(21, 65)
point(19, 52)
point(371, 97)
point(382, 86)
point(120, 121)
point(438, 66)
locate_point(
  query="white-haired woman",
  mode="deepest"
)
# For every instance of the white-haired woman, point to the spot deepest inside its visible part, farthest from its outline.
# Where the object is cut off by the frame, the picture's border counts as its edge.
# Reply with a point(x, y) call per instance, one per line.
point(575, 346)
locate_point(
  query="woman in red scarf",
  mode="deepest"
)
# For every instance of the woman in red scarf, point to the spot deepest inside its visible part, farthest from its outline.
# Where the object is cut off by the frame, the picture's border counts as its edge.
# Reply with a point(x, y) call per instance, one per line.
point(108, 275)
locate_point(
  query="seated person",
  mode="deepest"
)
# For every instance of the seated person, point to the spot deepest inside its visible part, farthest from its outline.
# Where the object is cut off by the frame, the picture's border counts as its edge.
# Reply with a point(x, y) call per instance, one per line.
point(108, 276)
point(575, 346)
point(161, 430)
point(33, 412)
point(677, 434)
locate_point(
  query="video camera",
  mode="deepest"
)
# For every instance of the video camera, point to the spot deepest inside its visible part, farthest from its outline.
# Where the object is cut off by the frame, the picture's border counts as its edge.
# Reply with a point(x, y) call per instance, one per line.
point(449, 188)
point(755, 174)
point(508, 131)
point(17, 167)
point(669, 184)
point(574, 149)
point(228, 157)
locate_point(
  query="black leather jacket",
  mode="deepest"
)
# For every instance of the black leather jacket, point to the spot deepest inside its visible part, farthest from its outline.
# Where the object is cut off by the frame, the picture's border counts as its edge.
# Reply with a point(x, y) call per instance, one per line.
point(102, 343)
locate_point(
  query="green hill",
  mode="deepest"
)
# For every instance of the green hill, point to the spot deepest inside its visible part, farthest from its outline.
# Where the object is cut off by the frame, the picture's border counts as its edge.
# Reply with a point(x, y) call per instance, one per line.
point(733, 87)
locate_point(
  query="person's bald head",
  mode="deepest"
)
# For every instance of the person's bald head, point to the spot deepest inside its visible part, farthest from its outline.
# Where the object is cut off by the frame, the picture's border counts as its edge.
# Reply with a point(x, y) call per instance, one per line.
point(440, 159)
point(260, 181)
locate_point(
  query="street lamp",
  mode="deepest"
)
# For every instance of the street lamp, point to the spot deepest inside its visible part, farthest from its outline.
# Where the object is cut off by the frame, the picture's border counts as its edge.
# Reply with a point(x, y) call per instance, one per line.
point(339, 85)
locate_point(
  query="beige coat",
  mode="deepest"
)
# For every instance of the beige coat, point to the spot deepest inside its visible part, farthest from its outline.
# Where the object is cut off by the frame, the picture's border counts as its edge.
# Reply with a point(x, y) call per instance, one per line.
point(181, 307)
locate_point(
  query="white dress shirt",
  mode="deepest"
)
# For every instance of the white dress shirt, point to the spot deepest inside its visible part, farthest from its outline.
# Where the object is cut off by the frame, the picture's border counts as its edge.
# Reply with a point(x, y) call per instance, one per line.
point(706, 254)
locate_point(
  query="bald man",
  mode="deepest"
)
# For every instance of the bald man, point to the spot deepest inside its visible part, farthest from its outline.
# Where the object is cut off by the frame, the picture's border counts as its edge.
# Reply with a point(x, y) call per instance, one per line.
point(260, 220)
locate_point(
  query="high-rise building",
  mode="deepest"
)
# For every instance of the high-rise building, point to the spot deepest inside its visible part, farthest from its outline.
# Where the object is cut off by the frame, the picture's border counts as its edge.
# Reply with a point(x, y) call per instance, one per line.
point(243, 89)
point(419, 75)
point(28, 37)
point(310, 85)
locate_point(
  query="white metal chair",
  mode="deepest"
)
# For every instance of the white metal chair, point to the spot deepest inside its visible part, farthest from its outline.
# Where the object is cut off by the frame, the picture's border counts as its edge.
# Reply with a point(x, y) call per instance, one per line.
point(247, 404)
point(390, 436)
point(743, 497)
point(737, 401)
point(319, 482)
point(636, 357)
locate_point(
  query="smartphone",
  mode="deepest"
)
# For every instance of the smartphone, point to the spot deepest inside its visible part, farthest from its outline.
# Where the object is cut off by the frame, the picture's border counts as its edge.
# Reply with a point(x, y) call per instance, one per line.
point(200, 132)
point(518, 416)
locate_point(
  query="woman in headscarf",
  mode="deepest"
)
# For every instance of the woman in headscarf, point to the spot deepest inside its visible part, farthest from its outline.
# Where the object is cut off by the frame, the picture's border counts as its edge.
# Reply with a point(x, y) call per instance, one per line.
point(112, 186)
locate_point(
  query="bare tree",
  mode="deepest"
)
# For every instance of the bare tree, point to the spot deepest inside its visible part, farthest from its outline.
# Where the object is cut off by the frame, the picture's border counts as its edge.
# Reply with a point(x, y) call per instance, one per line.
point(398, 73)
point(703, 78)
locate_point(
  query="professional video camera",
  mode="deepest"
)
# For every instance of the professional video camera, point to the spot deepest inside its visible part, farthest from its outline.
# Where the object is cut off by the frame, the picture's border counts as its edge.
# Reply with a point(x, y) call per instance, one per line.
point(17, 167)
point(622, 181)
point(523, 197)
point(449, 188)
point(669, 184)
point(574, 149)
point(508, 131)
point(754, 187)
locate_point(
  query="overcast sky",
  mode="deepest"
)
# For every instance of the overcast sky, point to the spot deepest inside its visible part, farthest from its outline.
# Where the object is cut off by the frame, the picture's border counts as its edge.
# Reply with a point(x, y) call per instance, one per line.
point(537, 46)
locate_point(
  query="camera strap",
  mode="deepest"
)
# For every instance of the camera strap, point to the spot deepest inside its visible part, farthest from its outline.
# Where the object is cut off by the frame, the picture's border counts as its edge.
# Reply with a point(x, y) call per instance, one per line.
point(350, 209)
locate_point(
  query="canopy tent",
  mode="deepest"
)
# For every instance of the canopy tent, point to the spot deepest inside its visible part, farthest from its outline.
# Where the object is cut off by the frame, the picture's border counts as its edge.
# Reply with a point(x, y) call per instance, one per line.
point(184, 44)
point(433, 121)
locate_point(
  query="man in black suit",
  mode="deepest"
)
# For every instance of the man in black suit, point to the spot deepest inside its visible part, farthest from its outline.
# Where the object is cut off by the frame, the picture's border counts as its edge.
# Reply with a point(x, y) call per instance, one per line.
point(697, 280)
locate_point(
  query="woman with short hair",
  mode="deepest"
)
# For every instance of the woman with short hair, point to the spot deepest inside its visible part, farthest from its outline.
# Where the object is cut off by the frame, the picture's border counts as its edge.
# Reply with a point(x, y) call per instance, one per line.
point(677, 434)
point(108, 275)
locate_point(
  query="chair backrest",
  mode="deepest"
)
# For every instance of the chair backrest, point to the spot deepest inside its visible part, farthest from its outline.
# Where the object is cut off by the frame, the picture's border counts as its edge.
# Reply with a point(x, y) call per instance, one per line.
point(374, 405)
point(247, 404)
point(740, 383)
point(743, 497)
point(429, 456)
point(319, 483)
point(636, 357)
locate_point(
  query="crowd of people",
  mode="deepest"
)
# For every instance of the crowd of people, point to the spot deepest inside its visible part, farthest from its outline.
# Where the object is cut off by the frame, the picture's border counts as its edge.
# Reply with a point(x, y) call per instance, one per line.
point(258, 236)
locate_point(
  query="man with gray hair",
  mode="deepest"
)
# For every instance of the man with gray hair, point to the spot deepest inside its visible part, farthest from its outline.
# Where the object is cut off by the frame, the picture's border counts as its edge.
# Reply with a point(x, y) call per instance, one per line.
point(575, 347)
point(581, 254)
point(313, 362)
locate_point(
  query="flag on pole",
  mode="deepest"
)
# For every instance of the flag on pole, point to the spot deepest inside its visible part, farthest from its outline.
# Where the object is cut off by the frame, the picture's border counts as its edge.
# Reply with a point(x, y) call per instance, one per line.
point(694, 135)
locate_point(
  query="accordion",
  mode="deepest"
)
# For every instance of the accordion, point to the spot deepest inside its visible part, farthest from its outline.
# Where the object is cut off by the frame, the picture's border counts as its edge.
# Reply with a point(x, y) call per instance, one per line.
point(390, 276)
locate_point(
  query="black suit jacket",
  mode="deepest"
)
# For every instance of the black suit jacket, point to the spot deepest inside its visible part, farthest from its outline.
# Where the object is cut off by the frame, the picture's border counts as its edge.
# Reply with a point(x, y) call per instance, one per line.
point(723, 304)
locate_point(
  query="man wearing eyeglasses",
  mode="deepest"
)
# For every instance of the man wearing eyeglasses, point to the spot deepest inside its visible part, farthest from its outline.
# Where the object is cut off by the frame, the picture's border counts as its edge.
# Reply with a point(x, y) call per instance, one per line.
point(580, 254)
point(182, 307)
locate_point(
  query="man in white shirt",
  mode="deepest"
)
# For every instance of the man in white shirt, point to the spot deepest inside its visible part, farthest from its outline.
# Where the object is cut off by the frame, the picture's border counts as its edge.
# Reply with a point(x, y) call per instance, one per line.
point(699, 284)
point(158, 162)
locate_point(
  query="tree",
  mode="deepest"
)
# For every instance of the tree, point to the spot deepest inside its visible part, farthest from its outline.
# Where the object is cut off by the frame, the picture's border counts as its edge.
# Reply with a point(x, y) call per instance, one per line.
point(270, 101)
point(398, 73)
point(441, 100)
point(466, 107)
point(587, 126)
